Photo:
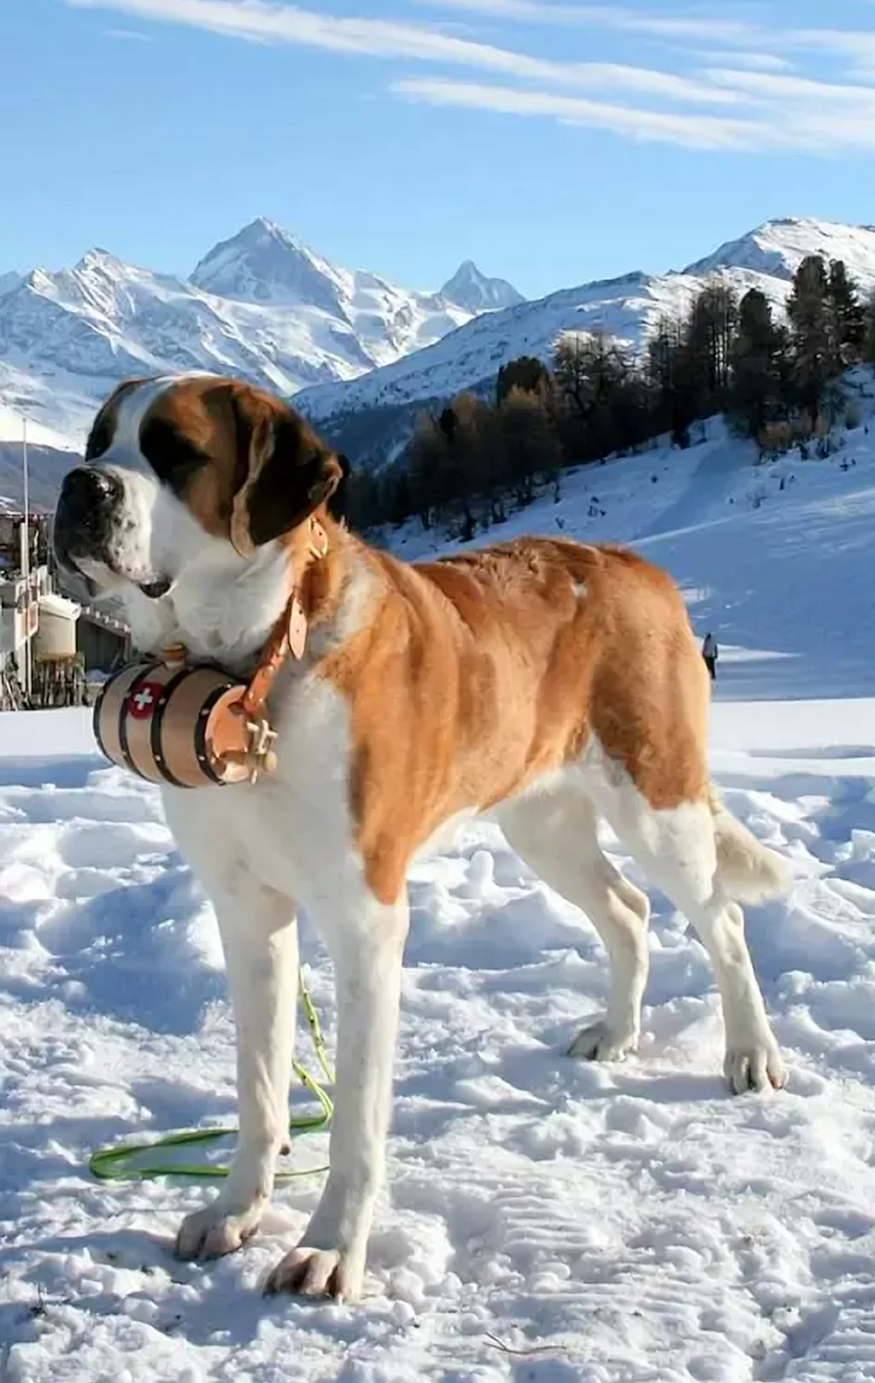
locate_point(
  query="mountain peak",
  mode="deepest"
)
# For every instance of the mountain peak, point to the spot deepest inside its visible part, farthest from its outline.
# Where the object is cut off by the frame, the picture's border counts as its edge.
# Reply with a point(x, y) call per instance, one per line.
point(472, 289)
point(264, 263)
point(263, 230)
point(100, 259)
point(779, 246)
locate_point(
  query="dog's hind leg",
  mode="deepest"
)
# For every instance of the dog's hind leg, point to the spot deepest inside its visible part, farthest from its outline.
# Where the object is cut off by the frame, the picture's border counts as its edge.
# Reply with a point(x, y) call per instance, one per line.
point(260, 942)
point(556, 836)
point(703, 861)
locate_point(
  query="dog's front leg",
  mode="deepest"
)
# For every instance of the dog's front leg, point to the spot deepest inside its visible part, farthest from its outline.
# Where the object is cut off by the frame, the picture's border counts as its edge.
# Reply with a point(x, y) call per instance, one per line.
point(260, 941)
point(366, 949)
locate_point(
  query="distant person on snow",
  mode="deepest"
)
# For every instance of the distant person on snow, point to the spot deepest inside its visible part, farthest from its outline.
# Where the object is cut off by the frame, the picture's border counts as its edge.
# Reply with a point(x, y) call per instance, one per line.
point(710, 652)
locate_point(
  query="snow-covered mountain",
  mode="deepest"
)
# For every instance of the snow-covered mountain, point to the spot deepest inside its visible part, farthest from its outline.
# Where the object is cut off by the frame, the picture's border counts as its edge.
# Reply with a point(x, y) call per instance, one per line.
point(261, 305)
point(779, 247)
point(473, 290)
point(627, 308)
point(362, 355)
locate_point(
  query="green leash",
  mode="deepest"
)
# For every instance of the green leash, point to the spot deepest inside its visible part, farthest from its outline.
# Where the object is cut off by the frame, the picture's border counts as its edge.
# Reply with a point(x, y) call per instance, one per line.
point(111, 1164)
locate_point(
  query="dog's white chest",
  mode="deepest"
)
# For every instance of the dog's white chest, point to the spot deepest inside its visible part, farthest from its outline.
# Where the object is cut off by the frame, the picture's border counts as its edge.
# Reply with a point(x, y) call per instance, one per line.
point(293, 829)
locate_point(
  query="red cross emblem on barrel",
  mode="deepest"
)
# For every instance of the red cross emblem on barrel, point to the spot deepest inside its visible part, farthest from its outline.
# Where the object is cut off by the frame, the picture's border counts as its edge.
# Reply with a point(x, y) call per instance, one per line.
point(143, 700)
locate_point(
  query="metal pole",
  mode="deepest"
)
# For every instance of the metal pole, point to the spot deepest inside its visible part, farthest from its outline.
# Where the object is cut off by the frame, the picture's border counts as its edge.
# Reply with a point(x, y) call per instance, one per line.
point(28, 680)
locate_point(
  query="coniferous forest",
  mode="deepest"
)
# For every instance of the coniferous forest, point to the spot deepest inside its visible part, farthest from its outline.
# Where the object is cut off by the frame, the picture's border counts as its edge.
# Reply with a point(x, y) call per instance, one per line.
point(778, 382)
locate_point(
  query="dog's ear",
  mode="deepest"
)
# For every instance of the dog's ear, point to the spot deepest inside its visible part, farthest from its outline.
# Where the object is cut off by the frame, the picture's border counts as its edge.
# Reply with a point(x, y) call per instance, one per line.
point(284, 473)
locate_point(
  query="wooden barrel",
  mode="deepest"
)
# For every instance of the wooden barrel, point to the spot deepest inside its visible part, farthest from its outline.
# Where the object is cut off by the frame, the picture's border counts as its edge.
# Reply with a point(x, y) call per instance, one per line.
point(174, 725)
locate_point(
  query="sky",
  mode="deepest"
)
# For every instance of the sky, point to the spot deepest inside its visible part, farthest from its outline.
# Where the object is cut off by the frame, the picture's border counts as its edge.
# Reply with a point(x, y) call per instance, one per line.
point(551, 142)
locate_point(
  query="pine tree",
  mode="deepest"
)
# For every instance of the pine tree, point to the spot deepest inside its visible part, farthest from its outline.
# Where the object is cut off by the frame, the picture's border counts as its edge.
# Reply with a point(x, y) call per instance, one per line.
point(527, 372)
point(466, 459)
point(869, 336)
point(570, 371)
point(815, 353)
point(428, 469)
point(593, 376)
point(528, 442)
point(708, 340)
point(760, 366)
point(670, 377)
point(847, 313)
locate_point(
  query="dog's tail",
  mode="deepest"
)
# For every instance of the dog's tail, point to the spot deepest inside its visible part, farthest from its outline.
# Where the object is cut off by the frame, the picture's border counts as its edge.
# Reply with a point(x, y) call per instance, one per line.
point(748, 871)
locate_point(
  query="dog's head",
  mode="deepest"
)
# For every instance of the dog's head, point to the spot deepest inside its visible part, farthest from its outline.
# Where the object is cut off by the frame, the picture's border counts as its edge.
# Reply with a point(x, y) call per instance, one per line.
point(177, 466)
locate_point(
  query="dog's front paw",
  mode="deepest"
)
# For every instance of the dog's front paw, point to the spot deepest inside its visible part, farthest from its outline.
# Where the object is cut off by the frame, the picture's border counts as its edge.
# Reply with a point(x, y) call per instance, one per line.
point(310, 1272)
point(600, 1042)
point(755, 1067)
point(215, 1231)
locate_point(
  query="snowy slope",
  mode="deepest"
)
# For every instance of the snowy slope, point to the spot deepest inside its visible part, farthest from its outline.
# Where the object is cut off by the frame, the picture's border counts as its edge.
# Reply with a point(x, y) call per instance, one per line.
point(11, 430)
point(626, 308)
point(261, 305)
point(50, 453)
point(548, 1221)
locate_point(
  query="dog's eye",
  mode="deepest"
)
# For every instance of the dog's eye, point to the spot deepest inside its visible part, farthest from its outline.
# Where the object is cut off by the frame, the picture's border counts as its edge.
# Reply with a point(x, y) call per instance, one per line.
point(172, 457)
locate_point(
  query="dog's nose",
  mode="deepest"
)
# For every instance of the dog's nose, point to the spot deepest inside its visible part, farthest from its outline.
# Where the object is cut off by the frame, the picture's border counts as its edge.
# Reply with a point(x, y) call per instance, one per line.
point(84, 511)
point(86, 494)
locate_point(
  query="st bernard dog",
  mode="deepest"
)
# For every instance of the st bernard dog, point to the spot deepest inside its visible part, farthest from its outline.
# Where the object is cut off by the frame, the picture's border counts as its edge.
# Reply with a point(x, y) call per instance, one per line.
point(549, 683)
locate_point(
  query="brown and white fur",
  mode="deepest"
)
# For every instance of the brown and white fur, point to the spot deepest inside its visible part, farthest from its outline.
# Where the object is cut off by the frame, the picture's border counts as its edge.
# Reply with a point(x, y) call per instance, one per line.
point(546, 682)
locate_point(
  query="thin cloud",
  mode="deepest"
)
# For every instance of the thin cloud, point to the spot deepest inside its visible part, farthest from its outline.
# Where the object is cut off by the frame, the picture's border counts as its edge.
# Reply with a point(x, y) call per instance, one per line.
point(608, 17)
point(608, 76)
point(748, 96)
point(127, 36)
point(772, 87)
point(251, 19)
point(757, 45)
point(856, 46)
point(755, 62)
point(829, 129)
point(691, 131)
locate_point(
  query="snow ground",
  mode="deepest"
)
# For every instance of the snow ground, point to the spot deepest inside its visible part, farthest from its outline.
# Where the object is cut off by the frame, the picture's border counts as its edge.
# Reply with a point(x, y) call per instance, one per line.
point(548, 1221)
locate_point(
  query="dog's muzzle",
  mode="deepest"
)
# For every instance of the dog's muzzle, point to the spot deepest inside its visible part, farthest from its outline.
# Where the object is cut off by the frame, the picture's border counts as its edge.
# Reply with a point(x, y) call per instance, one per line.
point(85, 514)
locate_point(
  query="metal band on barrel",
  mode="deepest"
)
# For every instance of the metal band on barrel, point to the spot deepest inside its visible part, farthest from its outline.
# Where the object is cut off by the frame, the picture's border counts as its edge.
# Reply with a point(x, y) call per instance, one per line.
point(200, 734)
point(95, 721)
point(157, 723)
point(123, 720)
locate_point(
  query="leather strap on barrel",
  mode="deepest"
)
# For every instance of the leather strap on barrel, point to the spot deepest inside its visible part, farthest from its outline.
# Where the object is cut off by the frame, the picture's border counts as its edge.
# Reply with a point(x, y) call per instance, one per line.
point(289, 638)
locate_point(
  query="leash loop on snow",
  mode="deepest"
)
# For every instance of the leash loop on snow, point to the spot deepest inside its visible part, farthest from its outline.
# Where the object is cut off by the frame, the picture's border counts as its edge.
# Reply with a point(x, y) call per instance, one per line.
point(113, 1164)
